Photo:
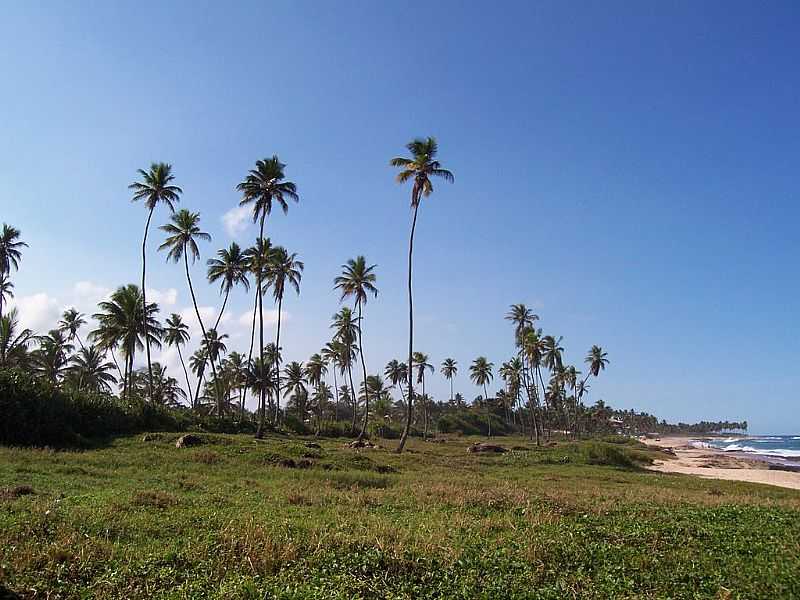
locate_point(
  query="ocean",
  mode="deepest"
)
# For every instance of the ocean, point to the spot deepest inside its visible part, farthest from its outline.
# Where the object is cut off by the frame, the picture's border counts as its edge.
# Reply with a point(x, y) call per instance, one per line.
point(779, 449)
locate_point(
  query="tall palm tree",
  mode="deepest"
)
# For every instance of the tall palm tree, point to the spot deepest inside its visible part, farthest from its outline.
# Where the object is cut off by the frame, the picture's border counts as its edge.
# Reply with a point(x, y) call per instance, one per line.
point(90, 368)
point(176, 333)
point(124, 322)
point(345, 327)
point(6, 290)
point(70, 323)
point(263, 186)
point(524, 319)
point(480, 372)
point(155, 187)
point(315, 374)
point(283, 269)
point(419, 168)
point(449, 370)
point(182, 235)
point(13, 340)
point(358, 281)
point(10, 248)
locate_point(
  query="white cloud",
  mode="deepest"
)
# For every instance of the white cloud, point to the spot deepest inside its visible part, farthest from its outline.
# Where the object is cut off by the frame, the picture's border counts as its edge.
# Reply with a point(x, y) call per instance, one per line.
point(89, 293)
point(166, 297)
point(236, 219)
point(38, 312)
point(270, 318)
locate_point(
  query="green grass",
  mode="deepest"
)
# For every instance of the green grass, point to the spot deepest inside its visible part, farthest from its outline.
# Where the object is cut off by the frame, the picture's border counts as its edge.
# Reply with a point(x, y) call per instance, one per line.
point(236, 518)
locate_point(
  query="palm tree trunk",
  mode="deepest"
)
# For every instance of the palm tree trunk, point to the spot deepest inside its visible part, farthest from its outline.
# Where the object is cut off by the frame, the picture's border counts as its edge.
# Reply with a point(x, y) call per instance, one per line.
point(336, 387)
point(144, 307)
point(355, 399)
point(200, 375)
point(407, 428)
point(259, 292)
point(202, 327)
point(250, 353)
point(186, 374)
point(364, 369)
point(488, 412)
point(278, 363)
point(451, 389)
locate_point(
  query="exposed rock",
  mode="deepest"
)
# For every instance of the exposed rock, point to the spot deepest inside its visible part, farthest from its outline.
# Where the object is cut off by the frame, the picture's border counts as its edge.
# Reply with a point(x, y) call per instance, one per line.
point(483, 447)
point(361, 444)
point(313, 445)
point(188, 440)
point(150, 437)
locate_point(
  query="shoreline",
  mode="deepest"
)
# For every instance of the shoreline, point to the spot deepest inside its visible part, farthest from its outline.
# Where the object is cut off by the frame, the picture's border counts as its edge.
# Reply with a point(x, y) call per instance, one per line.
point(713, 463)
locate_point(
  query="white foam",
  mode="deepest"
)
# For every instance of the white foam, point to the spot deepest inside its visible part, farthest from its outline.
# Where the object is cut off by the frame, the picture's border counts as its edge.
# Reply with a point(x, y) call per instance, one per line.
point(782, 452)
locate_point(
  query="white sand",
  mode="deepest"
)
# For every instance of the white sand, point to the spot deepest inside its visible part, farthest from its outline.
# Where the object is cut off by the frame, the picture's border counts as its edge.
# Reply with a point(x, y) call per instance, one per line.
point(716, 464)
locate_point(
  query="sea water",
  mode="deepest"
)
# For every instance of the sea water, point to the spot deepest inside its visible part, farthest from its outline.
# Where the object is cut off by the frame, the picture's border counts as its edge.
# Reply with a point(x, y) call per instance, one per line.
point(784, 448)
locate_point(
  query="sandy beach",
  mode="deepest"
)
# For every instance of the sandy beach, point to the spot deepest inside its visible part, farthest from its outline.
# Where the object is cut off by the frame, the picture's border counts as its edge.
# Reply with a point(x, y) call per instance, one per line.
point(716, 464)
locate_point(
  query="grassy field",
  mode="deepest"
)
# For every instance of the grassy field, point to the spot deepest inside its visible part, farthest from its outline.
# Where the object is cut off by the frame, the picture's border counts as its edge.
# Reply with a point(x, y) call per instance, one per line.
point(235, 518)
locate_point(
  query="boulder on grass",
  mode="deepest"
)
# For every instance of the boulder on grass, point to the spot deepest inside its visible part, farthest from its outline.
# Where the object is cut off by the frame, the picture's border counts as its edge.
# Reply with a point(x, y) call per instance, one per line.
point(361, 444)
point(483, 447)
point(313, 445)
point(188, 440)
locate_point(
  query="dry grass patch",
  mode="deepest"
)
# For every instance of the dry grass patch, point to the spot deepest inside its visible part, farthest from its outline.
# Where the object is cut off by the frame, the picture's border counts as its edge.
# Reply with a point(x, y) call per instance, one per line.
point(154, 499)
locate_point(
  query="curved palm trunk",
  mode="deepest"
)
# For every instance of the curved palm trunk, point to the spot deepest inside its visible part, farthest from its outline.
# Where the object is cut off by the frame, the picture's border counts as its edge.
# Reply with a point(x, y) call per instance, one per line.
point(278, 363)
point(364, 369)
point(200, 321)
point(144, 307)
point(407, 428)
point(186, 374)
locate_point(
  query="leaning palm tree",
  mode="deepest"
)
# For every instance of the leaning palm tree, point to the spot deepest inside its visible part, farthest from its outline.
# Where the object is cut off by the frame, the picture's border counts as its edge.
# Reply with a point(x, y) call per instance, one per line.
point(597, 360)
point(283, 269)
point(480, 372)
point(358, 281)
point(123, 322)
point(13, 341)
point(10, 248)
point(155, 188)
point(182, 235)
point(449, 370)
point(71, 321)
point(176, 333)
point(419, 168)
point(262, 187)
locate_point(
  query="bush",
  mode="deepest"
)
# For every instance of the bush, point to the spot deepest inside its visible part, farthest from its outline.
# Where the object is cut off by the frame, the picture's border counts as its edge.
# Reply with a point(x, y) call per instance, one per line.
point(468, 422)
point(36, 413)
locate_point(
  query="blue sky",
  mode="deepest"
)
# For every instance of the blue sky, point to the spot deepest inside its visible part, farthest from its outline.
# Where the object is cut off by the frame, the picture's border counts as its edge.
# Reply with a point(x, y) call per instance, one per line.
point(627, 169)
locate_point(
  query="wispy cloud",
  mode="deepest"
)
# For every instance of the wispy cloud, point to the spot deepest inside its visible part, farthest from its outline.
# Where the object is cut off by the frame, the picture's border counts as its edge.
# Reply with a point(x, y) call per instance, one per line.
point(236, 220)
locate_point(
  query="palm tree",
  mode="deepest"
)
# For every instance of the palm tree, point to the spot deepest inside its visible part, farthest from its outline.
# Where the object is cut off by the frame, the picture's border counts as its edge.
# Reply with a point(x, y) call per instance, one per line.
point(182, 235)
point(296, 384)
point(261, 187)
point(6, 290)
point(13, 341)
point(71, 321)
point(155, 188)
point(419, 168)
point(176, 333)
point(397, 373)
point(597, 360)
point(449, 370)
point(346, 328)
point(321, 397)
point(10, 248)
point(358, 281)
point(91, 370)
point(421, 364)
point(524, 319)
point(330, 354)
point(124, 322)
point(230, 269)
point(283, 268)
point(51, 358)
point(480, 372)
